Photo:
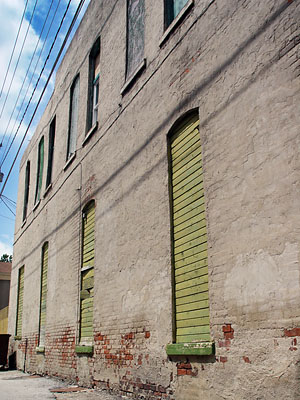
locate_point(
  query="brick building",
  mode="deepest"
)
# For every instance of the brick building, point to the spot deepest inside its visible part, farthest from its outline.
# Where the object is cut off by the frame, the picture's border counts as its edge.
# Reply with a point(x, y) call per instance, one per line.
point(157, 231)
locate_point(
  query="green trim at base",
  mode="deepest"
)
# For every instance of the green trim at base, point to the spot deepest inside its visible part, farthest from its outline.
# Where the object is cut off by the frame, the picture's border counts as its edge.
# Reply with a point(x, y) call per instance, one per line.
point(18, 337)
point(84, 349)
point(40, 349)
point(200, 349)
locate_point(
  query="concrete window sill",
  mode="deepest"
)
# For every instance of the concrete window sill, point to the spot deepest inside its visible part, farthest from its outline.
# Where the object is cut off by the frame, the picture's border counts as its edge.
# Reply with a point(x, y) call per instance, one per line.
point(47, 190)
point(90, 133)
point(36, 205)
point(24, 222)
point(182, 349)
point(40, 349)
point(70, 160)
point(176, 22)
point(129, 82)
point(80, 349)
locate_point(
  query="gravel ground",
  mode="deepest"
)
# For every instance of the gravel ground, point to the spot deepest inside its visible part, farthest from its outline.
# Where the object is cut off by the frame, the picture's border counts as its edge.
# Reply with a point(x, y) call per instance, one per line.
point(17, 385)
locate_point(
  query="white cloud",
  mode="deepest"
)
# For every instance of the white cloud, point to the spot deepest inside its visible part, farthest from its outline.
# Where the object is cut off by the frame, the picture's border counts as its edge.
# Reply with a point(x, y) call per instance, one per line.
point(5, 248)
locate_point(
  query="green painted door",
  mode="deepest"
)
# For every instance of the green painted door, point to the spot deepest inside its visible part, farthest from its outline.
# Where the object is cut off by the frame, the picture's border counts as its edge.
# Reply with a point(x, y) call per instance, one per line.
point(43, 304)
point(189, 235)
point(87, 274)
point(20, 302)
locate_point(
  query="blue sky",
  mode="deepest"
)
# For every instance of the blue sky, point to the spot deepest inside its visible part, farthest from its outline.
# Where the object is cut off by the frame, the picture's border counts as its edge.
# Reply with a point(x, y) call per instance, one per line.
point(19, 87)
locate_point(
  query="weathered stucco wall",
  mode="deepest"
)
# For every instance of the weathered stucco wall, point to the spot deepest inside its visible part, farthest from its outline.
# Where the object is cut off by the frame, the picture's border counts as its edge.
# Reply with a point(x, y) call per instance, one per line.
point(238, 64)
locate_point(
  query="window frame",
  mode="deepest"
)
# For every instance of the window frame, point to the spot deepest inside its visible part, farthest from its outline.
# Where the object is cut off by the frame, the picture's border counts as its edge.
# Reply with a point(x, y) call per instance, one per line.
point(73, 119)
point(51, 141)
point(94, 82)
point(20, 296)
point(26, 190)
point(193, 347)
point(40, 170)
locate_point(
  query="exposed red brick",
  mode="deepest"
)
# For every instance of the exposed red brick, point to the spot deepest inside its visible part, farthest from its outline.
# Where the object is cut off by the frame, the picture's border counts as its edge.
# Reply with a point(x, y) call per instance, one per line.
point(246, 359)
point(227, 328)
point(181, 372)
point(147, 334)
point(228, 335)
point(184, 365)
point(291, 332)
point(223, 359)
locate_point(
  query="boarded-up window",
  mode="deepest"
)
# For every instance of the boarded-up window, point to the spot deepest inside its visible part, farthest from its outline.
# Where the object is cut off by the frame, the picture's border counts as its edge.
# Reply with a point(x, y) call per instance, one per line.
point(40, 168)
point(26, 190)
point(43, 298)
point(87, 274)
point(74, 100)
point(20, 302)
point(50, 151)
point(189, 235)
point(135, 34)
point(172, 9)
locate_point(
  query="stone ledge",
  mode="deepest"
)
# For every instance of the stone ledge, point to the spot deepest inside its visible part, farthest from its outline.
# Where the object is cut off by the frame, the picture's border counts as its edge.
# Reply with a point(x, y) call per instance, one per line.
point(84, 349)
point(200, 349)
point(40, 349)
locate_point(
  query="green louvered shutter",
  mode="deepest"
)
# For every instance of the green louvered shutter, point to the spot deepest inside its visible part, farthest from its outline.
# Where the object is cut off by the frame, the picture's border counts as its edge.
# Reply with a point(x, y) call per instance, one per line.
point(43, 294)
point(20, 302)
point(87, 274)
point(189, 235)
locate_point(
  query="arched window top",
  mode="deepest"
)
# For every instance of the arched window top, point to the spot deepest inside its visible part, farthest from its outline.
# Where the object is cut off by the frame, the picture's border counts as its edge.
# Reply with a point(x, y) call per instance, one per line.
point(185, 119)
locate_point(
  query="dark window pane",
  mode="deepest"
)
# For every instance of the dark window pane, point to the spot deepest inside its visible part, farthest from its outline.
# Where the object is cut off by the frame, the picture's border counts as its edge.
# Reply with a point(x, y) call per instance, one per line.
point(50, 151)
point(40, 167)
point(135, 34)
point(26, 192)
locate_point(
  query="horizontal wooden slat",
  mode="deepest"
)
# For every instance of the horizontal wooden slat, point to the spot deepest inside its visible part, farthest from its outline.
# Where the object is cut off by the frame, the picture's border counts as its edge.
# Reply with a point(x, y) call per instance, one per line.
point(185, 144)
point(184, 131)
point(185, 191)
point(193, 273)
point(187, 199)
point(195, 159)
point(192, 290)
point(195, 151)
point(189, 216)
point(199, 230)
point(190, 283)
point(192, 322)
point(186, 173)
point(195, 305)
point(192, 330)
point(185, 254)
point(181, 186)
point(205, 337)
point(202, 255)
point(198, 241)
point(200, 314)
point(195, 205)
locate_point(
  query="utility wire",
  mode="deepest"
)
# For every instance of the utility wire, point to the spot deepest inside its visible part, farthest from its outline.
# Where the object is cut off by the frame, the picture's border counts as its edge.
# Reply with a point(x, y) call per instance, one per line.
point(16, 66)
point(7, 206)
point(11, 56)
point(51, 72)
point(20, 91)
point(10, 200)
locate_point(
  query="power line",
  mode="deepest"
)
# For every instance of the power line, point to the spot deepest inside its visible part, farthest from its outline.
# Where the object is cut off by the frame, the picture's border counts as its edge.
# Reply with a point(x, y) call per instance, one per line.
point(12, 78)
point(20, 91)
point(1, 198)
point(11, 56)
point(10, 200)
point(51, 72)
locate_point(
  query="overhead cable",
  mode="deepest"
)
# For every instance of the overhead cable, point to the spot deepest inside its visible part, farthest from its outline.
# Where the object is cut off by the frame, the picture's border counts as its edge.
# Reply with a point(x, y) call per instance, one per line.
point(21, 51)
point(5, 153)
point(43, 91)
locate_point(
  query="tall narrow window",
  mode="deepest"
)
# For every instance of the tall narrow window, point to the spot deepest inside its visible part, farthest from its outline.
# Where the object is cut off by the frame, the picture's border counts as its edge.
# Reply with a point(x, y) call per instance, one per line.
point(94, 75)
point(87, 274)
point(20, 302)
point(172, 9)
point(189, 240)
point(43, 295)
point(50, 151)
point(39, 174)
point(135, 34)
point(73, 120)
point(26, 190)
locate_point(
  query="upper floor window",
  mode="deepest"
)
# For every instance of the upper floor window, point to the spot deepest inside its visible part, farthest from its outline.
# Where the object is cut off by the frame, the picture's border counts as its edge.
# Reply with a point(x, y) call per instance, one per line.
point(135, 35)
point(73, 118)
point(26, 190)
point(20, 295)
point(40, 167)
point(94, 74)
point(43, 295)
point(50, 151)
point(172, 9)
